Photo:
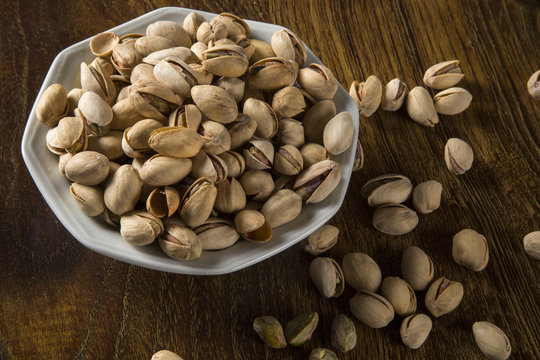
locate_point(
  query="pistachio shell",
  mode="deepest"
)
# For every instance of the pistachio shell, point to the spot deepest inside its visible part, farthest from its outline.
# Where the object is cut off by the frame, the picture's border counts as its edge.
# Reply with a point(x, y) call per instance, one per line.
point(300, 329)
point(371, 309)
point(338, 133)
point(87, 168)
point(210, 166)
point(241, 130)
point(270, 331)
point(176, 75)
point(123, 190)
point(124, 58)
point(321, 240)
point(313, 153)
point(394, 219)
point(197, 202)
point(470, 249)
point(252, 225)
point(400, 294)
point(191, 23)
point(343, 333)
point(148, 44)
point(198, 48)
point(458, 155)
point(282, 207)
point(358, 156)
point(216, 234)
point(415, 329)
point(443, 296)
point(394, 95)
point(452, 101)
point(73, 97)
point(215, 103)
point(288, 102)
point(288, 160)
point(183, 53)
point(153, 100)
point(287, 45)
point(261, 50)
point(417, 268)
point(188, 116)
point(318, 81)
point(233, 86)
point(327, 276)
point(235, 163)
point(211, 32)
point(70, 135)
point(443, 75)
point(225, 60)
point(387, 189)
point(257, 183)
point(162, 170)
point(180, 243)
point(96, 79)
point(165, 355)
point(264, 116)
point(170, 30)
point(109, 145)
point(88, 198)
point(531, 244)
point(176, 142)
point(96, 113)
point(420, 107)
point(491, 340)
point(163, 201)
point(361, 272)
point(259, 155)
point(62, 161)
point(102, 44)
point(533, 85)
point(124, 115)
point(367, 95)
point(272, 73)
point(52, 105)
point(235, 25)
point(230, 197)
point(290, 132)
point(318, 181)
point(322, 354)
point(427, 196)
point(316, 119)
point(135, 138)
point(140, 228)
point(218, 139)
point(53, 144)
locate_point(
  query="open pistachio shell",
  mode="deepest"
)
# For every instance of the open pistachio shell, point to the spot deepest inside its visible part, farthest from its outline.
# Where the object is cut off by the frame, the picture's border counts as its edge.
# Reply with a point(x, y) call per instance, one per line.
point(270, 331)
point(443, 75)
point(180, 243)
point(197, 202)
point(225, 60)
point(261, 50)
point(231, 196)
point(96, 79)
point(257, 183)
point(272, 73)
point(317, 182)
point(88, 198)
point(367, 95)
point(124, 115)
point(343, 333)
point(417, 268)
point(235, 163)
point(53, 144)
point(322, 354)
point(146, 45)
point(387, 189)
point(288, 160)
point(400, 294)
point(216, 234)
point(394, 219)
point(288, 102)
point(153, 100)
point(124, 58)
point(95, 112)
point(183, 53)
point(163, 201)
point(170, 30)
point(217, 137)
point(162, 170)
point(87, 168)
point(452, 101)
point(198, 48)
point(176, 75)
point(140, 228)
point(287, 45)
point(371, 309)
point(300, 329)
point(207, 32)
point(215, 103)
point(102, 44)
point(123, 190)
point(191, 23)
point(443, 296)
point(318, 81)
point(259, 155)
point(420, 107)
point(394, 95)
point(282, 207)
point(52, 105)
point(135, 138)
point(235, 25)
point(70, 135)
point(165, 355)
point(458, 155)
point(252, 225)
point(327, 276)
point(188, 116)
point(415, 329)
point(264, 116)
point(176, 141)
point(321, 240)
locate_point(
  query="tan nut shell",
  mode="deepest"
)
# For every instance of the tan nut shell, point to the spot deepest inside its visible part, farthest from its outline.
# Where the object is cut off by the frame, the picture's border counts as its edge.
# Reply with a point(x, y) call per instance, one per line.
point(361, 271)
point(287, 45)
point(470, 249)
point(387, 189)
point(88, 198)
point(367, 95)
point(216, 234)
point(231, 197)
point(225, 60)
point(288, 102)
point(165, 355)
point(371, 309)
point(102, 44)
point(252, 225)
point(328, 184)
point(162, 170)
point(163, 201)
point(209, 166)
point(259, 155)
point(415, 329)
point(318, 81)
point(52, 105)
point(109, 145)
point(188, 116)
point(197, 202)
point(241, 130)
point(443, 75)
point(394, 95)
point(87, 168)
point(533, 85)
point(170, 30)
point(491, 340)
point(400, 294)
point(327, 276)
point(316, 119)
point(321, 240)
point(146, 45)
point(96, 79)
point(452, 101)
point(135, 138)
point(417, 268)
point(70, 135)
point(175, 141)
point(218, 139)
point(443, 296)
point(180, 243)
point(338, 133)
point(313, 153)
point(123, 190)
point(215, 103)
point(124, 115)
point(264, 116)
point(176, 75)
point(531, 244)
point(458, 155)
point(272, 73)
point(183, 53)
point(257, 183)
point(261, 50)
point(96, 113)
point(139, 228)
point(235, 163)
point(290, 132)
point(191, 23)
point(233, 86)
point(288, 160)
point(282, 207)
point(395, 219)
point(420, 107)
point(427, 196)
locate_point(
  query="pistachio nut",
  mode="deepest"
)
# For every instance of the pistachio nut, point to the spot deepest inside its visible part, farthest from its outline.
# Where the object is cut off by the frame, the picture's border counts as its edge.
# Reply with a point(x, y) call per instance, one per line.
point(175, 141)
point(233, 86)
point(533, 85)
point(123, 93)
point(491, 340)
point(531, 244)
point(198, 48)
point(235, 25)
point(458, 155)
point(52, 105)
point(443, 296)
point(153, 100)
point(272, 73)
point(443, 75)
point(88, 198)
point(417, 268)
point(315, 183)
point(327, 276)
point(102, 44)
point(288, 46)
point(176, 75)
point(400, 294)
point(183, 53)
point(197, 202)
point(270, 331)
point(163, 201)
point(282, 207)
point(394, 219)
point(264, 116)
point(318, 81)
point(288, 102)
point(124, 115)
point(123, 190)
point(94, 78)
point(108, 67)
point(218, 139)
point(288, 160)
point(95, 112)
point(55, 146)
point(261, 50)
point(162, 170)
point(241, 130)
point(245, 43)
point(215, 103)
point(211, 32)
point(140, 228)
point(361, 272)
point(62, 161)
point(367, 95)
point(420, 107)
point(258, 184)
point(394, 95)
point(358, 156)
point(338, 133)
point(146, 45)
point(300, 329)
point(452, 101)
point(313, 153)
point(188, 116)
point(321, 240)
point(283, 182)
point(109, 145)
point(225, 60)
point(343, 333)
point(387, 189)
point(415, 329)
point(73, 97)
point(427, 196)
point(322, 354)
point(180, 243)
point(231, 197)
point(259, 155)
point(235, 163)
point(203, 76)
point(191, 23)
point(316, 119)
point(210, 166)
point(135, 138)
point(124, 58)
point(170, 30)
point(252, 225)
point(470, 249)
point(70, 135)
point(87, 168)
point(371, 309)
point(290, 132)
point(165, 355)
point(111, 218)
point(216, 234)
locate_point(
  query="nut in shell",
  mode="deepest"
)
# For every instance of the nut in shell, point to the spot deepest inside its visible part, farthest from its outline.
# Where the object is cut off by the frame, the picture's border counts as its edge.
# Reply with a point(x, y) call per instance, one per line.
point(288, 102)
point(264, 116)
point(176, 75)
point(102, 44)
point(235, 163)
point(165, 355)
point(135, 138)
point(458, 155)
point(420, 107)
point(95, 112)
point(387, 189)
point(343, 333)
point(209, 166)
point(470, 249)
point(52, 105)
point(443, 75)
point(174, 141)
point(533, 85)
point(287, 45)
point(321, 240)
point(367, 95)
point(191, 23)
point(288, 160)
point(417, 268)
point(123, 190)
point(216, 234)
point(322, 354)
point(290, 132)
point(270, 331)
point(338, 133)
point(225, 60)
point(427, 196)
point(318, 81)
point(180, 243)
point(452, 101)
point(87, 168)
point(282, 207)
point(259, 155)
point(188, 116)
point(361, 272)
point(316, 119)
point(313, 153)
point(70, 135)
point(140, 228)
point(198, 202)
point(215, 103)
point(88, 198)
point(491, 340)
point(371, 309)
point(109, 145)
point(327, 276)
point(252, 225)
point(395, 219)
point(394, 95)
point(258, 184)
point(531, 244)
point(218, 139)
point(230, 197)
point(415, 329)
point(273, 73)
point(443, 296)
point(241, 130)
point(400, 294)
point(317, 182)
point(170, 30)
point(300, 329)
point(162, 170)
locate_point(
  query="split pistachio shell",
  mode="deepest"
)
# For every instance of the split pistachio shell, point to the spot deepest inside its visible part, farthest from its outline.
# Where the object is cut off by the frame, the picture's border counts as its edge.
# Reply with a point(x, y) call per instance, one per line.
point(273, 73)
point(282, 207)
point(259, 155)
point(170, 30)
point(290, 132)
point(163, 201)
point(95, 112)
point(288, 46)
point(218, 139)
point(261, 50)
point(491, 340)
point(197, 202)
point(313, 153)
point(124, 115)
point(215, 103)
point(327, 276)
point(139, 228)
point(235, 163)
point(176, 75)
point(123, 190)
point(241, 130)
point(52, 105)
point(180, 243)
point(88, 198)
point(338, 133)
point(358, 156)
point(252, 225)
point(318, 81)
point(321, 240)
point(343, 333)
point(533, 85)
point(371, 309)
point(146, 45)
point(198, 48)
point(300, 329)
point(153, 100)
point(87, 168)
point(135, 138)
point(73, 97)
point(124, 58)
point(102, 44)
point(443, 296)
point(233, 86)
point(176, 142)
point(470, 249)
point(367, 95)
point(191, 23)
point(216, 234)
point(394, 95)
point(395, 219)
point(427, 196)
point(70, 135)
point(183, 53)
point(245, 43)
point(415, 329)
point(203, 76)
point(452, 101)
point(458, 155)
point(258, 184)
point(225, 60)
point(96, 79)
point(387, 189)
point(443, 75)
point(165, 355)
point(235, 25)
point(109, 145)
point(322, 354)
point(288, 102)
point(317, 182)
point(420, 107)
point(107, 66)
point(211, 32)
point(188, 116)
point(417, 268)
point(316, 119)
point(264, 116)
point(210, 166)
point(361, 272)
point(62, 161)
point(288, 160)
point(531, 244)
point(231, 197)
point(162, 170)
point(400, 294)
point(270, 331)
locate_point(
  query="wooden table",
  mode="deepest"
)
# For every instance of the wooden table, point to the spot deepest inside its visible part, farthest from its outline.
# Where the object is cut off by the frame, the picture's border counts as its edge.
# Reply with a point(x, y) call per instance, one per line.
point(59, 300)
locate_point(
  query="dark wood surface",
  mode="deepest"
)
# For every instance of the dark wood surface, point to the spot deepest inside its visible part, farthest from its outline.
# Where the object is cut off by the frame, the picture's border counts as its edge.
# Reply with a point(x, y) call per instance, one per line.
point(59, 300)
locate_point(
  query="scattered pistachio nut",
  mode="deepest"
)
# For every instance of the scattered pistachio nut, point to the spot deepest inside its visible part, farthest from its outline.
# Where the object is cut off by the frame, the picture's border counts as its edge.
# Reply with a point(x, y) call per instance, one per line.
point(400, 294)
point(371, 309)
point(415, 329)
point(270, 331)
point(387, 189)
point(165, 355)
point(458, 155)
point(361, 272)
point(443, 296)
point(300, 329)
point(443, 75)
point(327, 276)
point(531, 244)
point(321, 240)
point(358, 156)
point(322, 354)
point(367, 95)
point(394, 95)
point(420, 107)
point(427, 196)
point(417, 268)
point(343, 333)
point(395, 219)
point(452, 101)
point(470, 249)
point(491, 340)
point(533, 85)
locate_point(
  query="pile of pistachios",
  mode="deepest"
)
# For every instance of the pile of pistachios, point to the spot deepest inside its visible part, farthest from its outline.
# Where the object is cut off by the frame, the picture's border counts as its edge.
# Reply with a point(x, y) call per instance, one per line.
point(197, 134)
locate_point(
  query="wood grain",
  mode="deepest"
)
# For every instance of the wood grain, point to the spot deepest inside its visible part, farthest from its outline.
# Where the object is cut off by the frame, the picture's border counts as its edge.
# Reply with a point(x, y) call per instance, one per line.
point(59, 300)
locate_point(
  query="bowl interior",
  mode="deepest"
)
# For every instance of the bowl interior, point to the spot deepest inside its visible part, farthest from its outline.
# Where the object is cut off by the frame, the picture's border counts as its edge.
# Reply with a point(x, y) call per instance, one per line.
point(98, 236)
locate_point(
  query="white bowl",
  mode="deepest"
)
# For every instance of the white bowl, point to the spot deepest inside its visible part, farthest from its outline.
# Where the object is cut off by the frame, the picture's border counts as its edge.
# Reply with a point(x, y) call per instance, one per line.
point(95, 234)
